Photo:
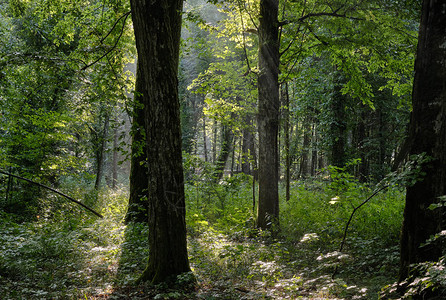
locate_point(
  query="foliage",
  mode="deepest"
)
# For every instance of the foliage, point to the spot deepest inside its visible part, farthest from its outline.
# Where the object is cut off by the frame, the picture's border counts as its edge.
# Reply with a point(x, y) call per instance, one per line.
point(60, 67)
point(70, 254)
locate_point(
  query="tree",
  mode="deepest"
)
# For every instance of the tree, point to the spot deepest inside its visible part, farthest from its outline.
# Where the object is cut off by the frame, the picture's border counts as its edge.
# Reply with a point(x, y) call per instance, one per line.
point(268, 119)
point(427, 135)
point(138, 202)
point(157, 27)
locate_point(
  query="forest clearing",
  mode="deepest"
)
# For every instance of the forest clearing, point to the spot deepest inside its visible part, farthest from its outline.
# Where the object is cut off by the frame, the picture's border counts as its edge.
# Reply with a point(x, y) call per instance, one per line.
point(222, 149)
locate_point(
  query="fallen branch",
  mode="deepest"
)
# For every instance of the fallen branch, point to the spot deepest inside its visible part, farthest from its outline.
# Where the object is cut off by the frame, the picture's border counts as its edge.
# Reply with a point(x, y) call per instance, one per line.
point(55, 191)
point(351, 218)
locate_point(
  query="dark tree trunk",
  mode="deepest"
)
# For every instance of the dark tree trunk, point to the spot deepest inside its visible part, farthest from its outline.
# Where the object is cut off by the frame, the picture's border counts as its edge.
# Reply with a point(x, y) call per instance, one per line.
point(338, 124)
point(138, 202)
point(248, 150)
point(157, 27)
point(268, 120)
point(314, 159)
point(305, 161)
point(428, 135)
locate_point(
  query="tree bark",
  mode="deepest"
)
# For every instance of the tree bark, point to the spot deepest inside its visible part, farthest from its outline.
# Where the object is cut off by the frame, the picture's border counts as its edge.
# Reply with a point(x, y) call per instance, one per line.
point(268, 119)
point(427, 135)
point(157, 27)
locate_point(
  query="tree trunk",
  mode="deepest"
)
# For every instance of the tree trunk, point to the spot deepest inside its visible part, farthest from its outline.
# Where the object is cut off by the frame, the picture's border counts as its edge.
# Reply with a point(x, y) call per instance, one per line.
point(314, 159)
point(157, 27)
point(286, 128)
point(247, 147)
point(427, 135)
point(100, 153)
point(205, 140)
point(338, 123)
point(268, 119)
point(138, 202)
point(363, 171)
point(115, 158)
point(305, 161)
point(226, 144)
point(214, 141)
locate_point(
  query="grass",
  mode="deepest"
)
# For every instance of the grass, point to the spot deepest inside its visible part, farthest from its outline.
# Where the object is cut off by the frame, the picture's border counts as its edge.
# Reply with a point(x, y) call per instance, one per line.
point(68, 254)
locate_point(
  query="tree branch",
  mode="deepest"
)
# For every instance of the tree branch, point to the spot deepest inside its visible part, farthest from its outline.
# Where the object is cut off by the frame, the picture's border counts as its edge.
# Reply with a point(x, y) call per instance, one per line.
point(351, 218)
point(114, 25)
point(114, 46)
point(53, 190)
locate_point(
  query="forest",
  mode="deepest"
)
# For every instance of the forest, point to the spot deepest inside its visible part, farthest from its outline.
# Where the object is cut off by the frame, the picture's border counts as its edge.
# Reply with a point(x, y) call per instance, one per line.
point(222, 149)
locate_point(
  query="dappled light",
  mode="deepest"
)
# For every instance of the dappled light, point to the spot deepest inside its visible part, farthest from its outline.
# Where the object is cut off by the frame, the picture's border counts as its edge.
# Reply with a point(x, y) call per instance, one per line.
point(222, 149)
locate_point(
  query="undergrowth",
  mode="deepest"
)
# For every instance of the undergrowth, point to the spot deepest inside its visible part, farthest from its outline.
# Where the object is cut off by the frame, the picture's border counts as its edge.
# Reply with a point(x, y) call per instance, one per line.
point(66, 253)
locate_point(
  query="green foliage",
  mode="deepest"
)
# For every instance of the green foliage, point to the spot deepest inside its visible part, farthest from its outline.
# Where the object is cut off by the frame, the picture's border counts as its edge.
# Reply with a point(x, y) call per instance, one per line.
point(427, 281)
point(61, 64)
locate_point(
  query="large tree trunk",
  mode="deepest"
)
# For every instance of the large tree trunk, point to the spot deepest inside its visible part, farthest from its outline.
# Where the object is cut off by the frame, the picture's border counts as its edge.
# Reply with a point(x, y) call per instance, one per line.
point(138, 202)
point(157, 27)
point(268, 121)
point(428, 135)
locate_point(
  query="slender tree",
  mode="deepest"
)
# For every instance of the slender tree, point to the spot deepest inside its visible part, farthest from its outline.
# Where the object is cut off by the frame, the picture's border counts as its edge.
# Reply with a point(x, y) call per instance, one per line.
point(427, 135)
point(157, 27)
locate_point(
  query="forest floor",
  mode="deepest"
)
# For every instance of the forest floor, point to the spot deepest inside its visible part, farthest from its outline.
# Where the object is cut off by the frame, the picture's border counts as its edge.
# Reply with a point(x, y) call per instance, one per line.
point(73, 257)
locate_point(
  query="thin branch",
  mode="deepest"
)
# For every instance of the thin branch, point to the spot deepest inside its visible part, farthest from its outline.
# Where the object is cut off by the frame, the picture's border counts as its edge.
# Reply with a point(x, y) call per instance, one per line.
point(334, 14)
point(244, 40)
point(112, 48)
point(114, 25)
point(351, 218)
point(55, 191)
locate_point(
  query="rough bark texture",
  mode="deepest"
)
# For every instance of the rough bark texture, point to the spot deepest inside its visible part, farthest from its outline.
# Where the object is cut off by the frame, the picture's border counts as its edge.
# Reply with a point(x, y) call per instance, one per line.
point(157, 26)
point(268, 120)
point(427, 134)
point(138, 201)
